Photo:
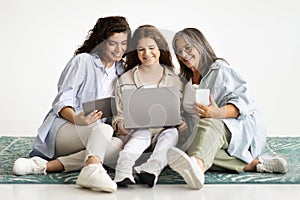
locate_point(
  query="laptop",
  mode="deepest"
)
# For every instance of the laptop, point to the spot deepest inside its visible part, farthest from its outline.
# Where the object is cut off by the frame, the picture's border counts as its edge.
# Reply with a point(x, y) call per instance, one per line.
point(106, 105)
point(151, 107)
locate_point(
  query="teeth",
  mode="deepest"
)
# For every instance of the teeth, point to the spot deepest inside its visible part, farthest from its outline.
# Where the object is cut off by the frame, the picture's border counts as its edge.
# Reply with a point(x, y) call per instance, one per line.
point(188, 58)
point(117, 54)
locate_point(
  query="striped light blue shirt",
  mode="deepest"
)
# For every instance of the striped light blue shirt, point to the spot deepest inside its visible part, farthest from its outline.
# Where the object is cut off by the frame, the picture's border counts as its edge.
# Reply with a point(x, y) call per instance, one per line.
point(80, 81)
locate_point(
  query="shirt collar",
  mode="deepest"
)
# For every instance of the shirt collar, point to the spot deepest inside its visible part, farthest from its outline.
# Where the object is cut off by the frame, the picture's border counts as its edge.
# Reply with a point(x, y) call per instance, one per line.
point(167, 72)
point(215, 65)
point(99, 64)
point(120, 67)
point(97, 61)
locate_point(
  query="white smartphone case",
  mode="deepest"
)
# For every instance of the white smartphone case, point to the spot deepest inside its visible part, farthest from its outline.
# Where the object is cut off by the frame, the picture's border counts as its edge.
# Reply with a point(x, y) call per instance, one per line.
point(202, 96)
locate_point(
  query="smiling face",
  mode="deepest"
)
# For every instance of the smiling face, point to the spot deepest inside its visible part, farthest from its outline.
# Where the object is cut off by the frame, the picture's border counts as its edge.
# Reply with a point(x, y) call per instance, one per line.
point(116, 46)
point(187, 53)
point(148, 51)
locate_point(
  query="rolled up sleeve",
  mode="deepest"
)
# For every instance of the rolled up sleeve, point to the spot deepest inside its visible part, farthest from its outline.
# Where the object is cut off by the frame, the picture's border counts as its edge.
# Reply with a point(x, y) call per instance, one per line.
point(69, 82)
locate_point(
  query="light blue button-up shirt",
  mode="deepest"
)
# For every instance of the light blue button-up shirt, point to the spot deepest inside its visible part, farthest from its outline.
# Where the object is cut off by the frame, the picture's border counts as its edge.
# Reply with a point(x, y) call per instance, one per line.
point(248, 131)
point(79, 82)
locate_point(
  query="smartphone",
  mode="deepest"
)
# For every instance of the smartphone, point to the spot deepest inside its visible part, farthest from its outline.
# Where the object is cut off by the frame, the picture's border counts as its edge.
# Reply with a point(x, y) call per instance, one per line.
point(202, 96)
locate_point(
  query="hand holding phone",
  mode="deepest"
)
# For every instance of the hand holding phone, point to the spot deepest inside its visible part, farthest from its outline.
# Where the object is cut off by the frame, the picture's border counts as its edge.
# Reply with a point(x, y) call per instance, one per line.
point(202, 96)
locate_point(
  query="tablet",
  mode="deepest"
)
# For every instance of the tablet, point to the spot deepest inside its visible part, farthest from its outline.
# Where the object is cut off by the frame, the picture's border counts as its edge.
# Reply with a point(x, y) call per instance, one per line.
point(106, 105)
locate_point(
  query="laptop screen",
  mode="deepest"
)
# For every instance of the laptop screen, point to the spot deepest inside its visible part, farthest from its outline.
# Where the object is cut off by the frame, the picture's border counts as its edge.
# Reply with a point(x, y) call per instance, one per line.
point(151, 107)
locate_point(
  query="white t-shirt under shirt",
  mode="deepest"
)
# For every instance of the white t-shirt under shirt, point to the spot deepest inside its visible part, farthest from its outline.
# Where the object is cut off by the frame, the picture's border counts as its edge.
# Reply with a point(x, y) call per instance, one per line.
point(108, 81)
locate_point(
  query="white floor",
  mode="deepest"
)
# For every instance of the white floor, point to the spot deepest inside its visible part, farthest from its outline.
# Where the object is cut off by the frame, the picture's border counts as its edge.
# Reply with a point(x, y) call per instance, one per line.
point(160, 192)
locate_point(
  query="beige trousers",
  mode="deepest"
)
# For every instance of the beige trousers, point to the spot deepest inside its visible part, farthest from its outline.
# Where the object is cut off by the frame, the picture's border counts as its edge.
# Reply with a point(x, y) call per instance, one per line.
point(74, 144)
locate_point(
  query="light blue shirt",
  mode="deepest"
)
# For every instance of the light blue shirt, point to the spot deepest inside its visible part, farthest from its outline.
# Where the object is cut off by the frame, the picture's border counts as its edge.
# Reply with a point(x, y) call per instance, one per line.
point(79, 82)
point(248, 131)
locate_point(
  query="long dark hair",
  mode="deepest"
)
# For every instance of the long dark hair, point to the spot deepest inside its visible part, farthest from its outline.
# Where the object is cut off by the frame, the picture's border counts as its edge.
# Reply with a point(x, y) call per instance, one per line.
point(148, 31)
point(195, 38)
point(104, 28)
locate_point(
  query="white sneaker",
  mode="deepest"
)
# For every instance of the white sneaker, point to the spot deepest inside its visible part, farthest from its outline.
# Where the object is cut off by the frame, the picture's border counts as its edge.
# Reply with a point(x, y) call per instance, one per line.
point(148, 172)
point(95, 177)
point(34, 165)
point(271, 164)
point(187, 167)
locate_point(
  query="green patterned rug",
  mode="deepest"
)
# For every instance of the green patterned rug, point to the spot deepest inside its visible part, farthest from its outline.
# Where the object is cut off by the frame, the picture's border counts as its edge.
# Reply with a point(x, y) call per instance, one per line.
point(12, 148)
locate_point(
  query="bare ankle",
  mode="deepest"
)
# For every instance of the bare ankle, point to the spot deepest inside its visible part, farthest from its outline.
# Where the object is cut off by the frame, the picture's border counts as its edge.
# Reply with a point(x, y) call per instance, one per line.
point(251, 167)
point(200, 163)
point(92, 160)
point(54, 166)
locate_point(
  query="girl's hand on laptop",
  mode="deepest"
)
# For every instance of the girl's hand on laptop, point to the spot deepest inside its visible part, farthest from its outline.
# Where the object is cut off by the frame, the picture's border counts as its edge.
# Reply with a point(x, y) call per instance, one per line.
point(121, 130)
point(182, 126)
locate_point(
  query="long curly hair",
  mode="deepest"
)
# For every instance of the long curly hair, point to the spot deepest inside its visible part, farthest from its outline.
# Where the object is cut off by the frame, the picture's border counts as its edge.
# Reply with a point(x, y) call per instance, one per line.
point(104, 28)
point(148, 31)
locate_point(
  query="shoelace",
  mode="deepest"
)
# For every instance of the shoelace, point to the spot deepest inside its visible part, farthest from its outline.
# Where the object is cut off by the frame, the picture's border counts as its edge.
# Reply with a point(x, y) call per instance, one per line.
point(270, 166)
point(39, 168)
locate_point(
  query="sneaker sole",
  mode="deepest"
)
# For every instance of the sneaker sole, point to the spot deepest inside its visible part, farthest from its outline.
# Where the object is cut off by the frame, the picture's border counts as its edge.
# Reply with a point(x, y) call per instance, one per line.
point(125, 182)
point(102, 189)
point(179, 162)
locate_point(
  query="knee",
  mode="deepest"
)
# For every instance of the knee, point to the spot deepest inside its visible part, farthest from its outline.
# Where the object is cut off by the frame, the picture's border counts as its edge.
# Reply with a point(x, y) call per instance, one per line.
point(142, 134)
point(170, 133)
point(208, 124)
point(207, 121)
point(140, 137)
point(103, 129)
point(117, 143)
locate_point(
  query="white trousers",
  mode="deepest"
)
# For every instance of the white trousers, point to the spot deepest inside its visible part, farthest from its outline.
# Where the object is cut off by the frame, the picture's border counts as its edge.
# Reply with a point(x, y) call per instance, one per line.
point(139, 142)
point(74, 144)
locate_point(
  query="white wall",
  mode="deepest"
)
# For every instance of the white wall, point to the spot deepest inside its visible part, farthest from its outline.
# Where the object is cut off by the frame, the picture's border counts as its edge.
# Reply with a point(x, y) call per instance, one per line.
point(259, 38)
